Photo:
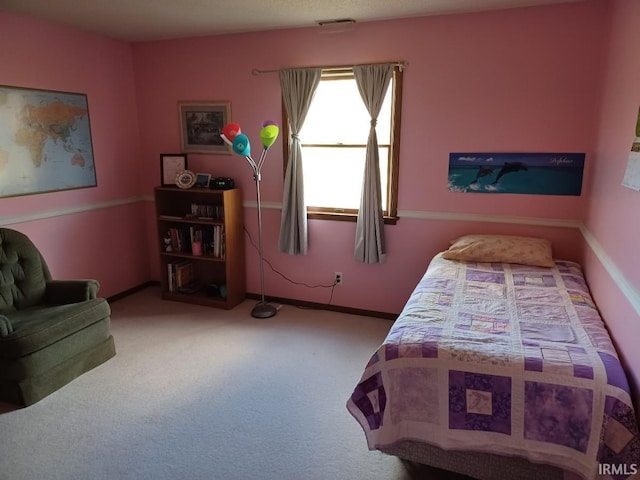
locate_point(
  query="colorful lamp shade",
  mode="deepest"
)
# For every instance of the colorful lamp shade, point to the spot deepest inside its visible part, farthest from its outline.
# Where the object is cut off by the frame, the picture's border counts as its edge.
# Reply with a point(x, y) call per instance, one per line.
point(241, 145)
point(269, 134)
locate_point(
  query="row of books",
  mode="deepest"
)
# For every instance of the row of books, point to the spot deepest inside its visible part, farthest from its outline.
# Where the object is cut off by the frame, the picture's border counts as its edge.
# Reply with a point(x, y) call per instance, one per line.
point(214, 212)
point(181, 277)
point(209, 238)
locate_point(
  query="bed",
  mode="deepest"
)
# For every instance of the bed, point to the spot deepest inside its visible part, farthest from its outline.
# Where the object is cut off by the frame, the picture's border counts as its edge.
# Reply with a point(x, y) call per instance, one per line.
point(500, 368)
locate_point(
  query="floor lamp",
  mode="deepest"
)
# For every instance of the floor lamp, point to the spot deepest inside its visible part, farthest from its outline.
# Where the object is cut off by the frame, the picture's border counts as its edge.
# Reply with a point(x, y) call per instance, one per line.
point(232, 135)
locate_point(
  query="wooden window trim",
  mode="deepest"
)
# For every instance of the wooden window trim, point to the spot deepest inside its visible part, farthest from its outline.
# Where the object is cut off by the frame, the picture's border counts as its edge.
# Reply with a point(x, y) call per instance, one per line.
point(390, 217)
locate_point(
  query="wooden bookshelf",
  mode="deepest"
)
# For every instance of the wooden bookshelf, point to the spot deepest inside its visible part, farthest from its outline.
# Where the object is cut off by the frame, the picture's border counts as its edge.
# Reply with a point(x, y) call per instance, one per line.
point(214, 271)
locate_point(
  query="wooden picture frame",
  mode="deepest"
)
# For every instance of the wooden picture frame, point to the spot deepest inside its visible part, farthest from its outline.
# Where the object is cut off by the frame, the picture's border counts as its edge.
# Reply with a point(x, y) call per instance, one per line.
point(202, 180)
point(201, 124)
point(45, 141)
point(170, 165)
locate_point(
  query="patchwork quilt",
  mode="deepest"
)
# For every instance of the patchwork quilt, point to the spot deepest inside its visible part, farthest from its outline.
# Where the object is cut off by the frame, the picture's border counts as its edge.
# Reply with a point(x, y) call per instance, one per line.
point(506, 359)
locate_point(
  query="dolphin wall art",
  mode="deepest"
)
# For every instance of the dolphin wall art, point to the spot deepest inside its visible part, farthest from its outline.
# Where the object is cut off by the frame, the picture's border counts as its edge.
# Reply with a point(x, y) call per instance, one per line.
point(525, 173)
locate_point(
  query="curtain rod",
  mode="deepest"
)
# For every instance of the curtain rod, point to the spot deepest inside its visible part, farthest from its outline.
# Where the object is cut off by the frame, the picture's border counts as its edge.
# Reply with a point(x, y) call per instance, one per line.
point(402, 65)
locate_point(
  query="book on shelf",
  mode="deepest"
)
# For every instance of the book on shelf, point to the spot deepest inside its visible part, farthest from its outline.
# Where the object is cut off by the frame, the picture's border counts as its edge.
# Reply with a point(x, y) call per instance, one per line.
point(212, 238)
point(184, 274)
point(180, 274)
point(207, 212)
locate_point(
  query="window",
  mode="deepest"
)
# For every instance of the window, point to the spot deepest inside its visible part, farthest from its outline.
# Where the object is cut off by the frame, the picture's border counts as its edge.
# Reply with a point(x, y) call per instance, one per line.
point(334, 139)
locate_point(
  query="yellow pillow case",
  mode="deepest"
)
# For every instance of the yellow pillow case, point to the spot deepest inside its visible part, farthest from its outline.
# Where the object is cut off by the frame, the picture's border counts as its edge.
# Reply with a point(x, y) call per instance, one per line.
point(502, 249)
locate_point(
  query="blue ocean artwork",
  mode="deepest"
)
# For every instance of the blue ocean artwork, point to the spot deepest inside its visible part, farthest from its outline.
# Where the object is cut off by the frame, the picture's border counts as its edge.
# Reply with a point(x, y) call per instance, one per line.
point(528, 173)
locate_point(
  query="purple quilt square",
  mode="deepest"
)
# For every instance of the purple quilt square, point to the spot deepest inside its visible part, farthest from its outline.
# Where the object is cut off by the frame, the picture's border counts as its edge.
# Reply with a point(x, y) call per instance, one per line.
point(419, 305)
point(370, 398)
point(615, 373)
point(430, 350)
point(433, 333)
point(545, 331)
point(444, 299)
point(558, 414)
point(486, 277)
point(483, 323)
point(413, 341)
point(533, 364)
point(555, 313)
point(479, 402)
point(410, 350)
point(393, 342)
point(573, 282)
point(578, 298)
point(391, 351)
point(439, 284)
point(529, 294)
point(619, 441)
point(563, 267)
point(375, 358)
point(495, 266)
point(583, 371)
point(534, 280)
point(572, 349)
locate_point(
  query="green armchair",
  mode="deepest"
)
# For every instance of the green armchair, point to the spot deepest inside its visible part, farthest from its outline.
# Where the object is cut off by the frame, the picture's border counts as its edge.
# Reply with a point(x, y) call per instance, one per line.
point(51, 331)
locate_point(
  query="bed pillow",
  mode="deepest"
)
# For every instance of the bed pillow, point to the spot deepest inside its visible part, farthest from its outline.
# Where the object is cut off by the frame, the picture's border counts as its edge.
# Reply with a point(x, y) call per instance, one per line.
point(502, 249)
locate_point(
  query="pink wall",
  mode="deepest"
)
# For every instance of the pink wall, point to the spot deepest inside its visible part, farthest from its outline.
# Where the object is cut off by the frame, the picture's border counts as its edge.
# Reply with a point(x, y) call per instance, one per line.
point(613, 210)
point(552, 78)
point(104, 243)
point(513, 80)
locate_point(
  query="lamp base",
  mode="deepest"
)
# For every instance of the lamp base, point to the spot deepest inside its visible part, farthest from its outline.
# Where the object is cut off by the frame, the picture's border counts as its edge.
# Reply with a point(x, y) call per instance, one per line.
point(263, 310)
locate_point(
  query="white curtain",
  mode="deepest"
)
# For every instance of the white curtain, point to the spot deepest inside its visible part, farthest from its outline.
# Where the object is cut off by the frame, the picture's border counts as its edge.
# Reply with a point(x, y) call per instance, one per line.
point(298, 88)
point(372, 81)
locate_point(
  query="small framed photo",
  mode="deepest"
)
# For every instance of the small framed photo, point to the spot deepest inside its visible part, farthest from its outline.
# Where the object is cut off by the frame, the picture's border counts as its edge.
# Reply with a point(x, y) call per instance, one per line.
point(170, 165)
point(201, 124)
point(202, 180)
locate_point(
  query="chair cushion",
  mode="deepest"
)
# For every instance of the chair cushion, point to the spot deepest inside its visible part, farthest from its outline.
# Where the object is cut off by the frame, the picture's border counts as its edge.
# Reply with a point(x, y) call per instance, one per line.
point(38, 363)
point(23, 272)
point(37, 327)
point(5, 326)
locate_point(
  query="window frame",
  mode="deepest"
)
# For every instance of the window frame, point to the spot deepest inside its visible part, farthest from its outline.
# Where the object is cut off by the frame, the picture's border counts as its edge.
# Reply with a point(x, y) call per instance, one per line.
point(390, 211)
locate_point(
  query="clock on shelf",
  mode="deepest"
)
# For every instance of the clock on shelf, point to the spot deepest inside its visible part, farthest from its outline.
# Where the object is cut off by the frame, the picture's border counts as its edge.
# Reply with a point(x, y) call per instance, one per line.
point(185, 179)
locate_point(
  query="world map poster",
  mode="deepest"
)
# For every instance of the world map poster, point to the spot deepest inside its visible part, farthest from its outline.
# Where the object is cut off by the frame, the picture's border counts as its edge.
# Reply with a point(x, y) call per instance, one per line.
point(45, 142)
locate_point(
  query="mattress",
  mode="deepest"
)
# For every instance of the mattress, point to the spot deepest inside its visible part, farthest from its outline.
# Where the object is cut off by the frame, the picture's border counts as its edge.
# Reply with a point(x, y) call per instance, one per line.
point(503, 359)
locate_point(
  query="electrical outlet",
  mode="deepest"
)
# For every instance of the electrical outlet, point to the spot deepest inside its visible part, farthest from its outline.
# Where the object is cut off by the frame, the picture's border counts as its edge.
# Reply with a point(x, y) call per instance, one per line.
point(337, 279)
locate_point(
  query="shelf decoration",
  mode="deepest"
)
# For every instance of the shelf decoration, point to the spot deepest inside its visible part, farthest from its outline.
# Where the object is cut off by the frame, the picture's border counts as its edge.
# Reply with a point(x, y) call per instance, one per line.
point(232, 135)
point(185, 179)
point(170, 165)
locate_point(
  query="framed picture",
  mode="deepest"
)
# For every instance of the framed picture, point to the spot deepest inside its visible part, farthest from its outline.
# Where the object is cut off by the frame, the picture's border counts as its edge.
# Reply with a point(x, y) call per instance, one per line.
point(552, 173)
point(201, 124)
point(45, 141)
point(170, 165)
point(202, 180)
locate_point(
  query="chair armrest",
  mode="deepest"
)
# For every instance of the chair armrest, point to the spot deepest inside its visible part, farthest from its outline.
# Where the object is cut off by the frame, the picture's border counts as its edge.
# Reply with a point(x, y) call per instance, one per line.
point(5, 326)
point(71, 291)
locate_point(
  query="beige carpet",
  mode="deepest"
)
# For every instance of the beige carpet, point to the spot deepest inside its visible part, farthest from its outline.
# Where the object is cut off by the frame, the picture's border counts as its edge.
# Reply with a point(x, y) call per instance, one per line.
point(199, 393)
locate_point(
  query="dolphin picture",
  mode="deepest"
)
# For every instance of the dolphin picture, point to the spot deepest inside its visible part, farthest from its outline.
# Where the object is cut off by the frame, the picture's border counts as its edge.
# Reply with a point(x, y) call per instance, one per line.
point(509, 167)
point(483, 172)
point(542, 173)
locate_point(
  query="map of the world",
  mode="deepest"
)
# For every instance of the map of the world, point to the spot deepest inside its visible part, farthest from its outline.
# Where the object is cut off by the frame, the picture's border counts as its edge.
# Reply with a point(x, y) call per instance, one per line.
point(45, 142)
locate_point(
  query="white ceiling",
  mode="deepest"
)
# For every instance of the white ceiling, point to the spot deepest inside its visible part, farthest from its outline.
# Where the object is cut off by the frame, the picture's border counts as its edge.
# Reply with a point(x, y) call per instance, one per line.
point(143, 20)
